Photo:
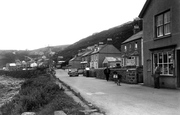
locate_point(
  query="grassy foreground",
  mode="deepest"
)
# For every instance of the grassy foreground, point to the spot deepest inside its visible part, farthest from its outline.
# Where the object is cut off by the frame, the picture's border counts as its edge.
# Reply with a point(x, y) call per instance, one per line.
point(43, 96)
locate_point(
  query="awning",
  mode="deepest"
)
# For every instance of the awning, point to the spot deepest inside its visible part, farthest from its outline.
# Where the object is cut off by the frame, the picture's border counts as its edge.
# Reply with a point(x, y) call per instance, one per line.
point(112, 59)
point(83, 62)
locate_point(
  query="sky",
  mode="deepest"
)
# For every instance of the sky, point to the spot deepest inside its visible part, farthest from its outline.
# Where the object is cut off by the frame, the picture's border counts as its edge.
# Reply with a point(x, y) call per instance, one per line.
point(33, 24)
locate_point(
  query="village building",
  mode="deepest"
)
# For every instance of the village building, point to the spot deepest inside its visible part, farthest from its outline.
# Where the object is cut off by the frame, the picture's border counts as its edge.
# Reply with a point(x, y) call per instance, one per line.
point(161, 32)
point(75, 62)
point(102, 51)
point(131, 50)
point(86, 57)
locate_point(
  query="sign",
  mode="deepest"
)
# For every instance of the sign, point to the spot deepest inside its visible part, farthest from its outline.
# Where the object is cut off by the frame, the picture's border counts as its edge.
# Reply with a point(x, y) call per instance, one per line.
point(130, 61)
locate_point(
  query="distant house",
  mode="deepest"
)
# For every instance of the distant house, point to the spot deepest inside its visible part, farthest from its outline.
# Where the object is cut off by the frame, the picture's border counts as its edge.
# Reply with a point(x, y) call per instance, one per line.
point(161, 35)
point(86, 57)
point(11, 66)
point(101, 51)
point(131, 50)
point(75, 62)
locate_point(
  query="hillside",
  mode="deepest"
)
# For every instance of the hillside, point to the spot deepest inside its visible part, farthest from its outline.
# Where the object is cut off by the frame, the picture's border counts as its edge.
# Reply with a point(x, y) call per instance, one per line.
point(118, 34)
point(53, 48)
point(9, 56)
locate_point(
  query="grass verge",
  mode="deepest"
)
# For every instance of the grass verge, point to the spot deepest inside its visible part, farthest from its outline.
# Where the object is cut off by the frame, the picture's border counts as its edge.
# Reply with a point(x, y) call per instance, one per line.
point(43, 96)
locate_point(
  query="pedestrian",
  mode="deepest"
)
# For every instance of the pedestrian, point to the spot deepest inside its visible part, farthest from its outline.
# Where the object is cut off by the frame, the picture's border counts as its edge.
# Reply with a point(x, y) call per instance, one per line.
point(156, 77)
point(107, 72)
point(119, 79)
point(115, 76)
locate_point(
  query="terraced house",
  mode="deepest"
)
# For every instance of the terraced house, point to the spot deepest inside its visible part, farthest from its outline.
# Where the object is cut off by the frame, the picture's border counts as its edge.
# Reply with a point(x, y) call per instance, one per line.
point(161, 36)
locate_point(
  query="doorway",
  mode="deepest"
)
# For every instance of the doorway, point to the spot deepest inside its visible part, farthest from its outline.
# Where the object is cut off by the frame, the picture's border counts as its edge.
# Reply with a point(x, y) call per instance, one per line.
point(178, 68)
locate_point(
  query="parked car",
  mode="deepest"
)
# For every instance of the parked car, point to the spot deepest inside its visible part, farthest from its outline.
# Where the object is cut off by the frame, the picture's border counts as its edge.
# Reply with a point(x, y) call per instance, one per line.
point(80, 71)
point(73, 72)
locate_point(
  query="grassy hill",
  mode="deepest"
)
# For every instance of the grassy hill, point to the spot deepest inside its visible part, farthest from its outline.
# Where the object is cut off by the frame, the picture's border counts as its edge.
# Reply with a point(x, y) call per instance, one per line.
point(118, 34)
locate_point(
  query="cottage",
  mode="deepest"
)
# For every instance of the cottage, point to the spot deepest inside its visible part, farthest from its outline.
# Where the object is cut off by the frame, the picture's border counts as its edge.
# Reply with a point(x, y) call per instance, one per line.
point(75, 62)
point(132, 50)
point(86, 57)
point(161, 34)
point(101, 51)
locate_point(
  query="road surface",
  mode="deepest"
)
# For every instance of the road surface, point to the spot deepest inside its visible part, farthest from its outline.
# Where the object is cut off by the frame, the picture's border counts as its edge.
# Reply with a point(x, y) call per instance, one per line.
point(126, 99)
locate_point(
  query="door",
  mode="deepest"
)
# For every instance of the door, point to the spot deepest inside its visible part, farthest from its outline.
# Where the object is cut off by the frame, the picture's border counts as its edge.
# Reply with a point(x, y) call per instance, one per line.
point(178, 68)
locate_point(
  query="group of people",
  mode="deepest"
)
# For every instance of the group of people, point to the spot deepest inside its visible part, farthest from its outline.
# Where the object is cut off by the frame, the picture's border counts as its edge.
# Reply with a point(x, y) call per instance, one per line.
point(116, 76)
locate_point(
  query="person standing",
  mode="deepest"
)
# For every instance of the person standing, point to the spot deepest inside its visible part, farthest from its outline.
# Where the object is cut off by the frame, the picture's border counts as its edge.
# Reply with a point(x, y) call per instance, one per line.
point(107, 72)
point(156, 77)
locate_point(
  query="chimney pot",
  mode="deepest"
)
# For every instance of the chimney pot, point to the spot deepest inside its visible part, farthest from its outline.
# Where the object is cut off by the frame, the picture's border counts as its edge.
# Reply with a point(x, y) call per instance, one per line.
point(109, 40)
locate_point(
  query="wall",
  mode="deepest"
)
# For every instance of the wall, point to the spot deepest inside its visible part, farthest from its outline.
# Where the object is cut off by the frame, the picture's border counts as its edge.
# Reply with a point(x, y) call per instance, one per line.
point(129, 76)
point(19, 74)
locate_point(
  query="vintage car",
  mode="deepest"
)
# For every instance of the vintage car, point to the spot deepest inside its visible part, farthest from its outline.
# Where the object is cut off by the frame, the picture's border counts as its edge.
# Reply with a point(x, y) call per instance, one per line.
point(73, 72)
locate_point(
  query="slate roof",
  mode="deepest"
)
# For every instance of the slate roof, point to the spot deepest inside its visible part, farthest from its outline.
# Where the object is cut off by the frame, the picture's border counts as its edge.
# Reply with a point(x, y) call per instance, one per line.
point(98, 49)
point(134, 37)
point(87, 53)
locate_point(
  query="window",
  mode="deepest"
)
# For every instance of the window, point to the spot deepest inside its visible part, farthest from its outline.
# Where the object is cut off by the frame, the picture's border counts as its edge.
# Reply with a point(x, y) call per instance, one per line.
point(163, 24)
point(136, 45)
point(129, 47)
point(125, 48)
point(165, 61)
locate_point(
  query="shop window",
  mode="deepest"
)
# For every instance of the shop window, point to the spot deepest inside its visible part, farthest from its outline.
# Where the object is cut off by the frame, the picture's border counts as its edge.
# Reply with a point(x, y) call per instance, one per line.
point(163, 24)
point(164, 60)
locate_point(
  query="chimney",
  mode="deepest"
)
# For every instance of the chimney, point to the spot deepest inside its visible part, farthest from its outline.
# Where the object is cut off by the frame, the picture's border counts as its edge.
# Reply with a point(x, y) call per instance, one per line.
point(109, 40)
point(101, 44)
point(136, 29)
point(137, 23)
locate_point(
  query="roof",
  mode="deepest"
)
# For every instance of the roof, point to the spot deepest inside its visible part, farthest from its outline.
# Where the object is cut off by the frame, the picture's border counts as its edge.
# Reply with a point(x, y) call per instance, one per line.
point(145, 7)
point(111, 59)
point(87, 53)
point(12, 64)
point(99, 48)
point(134, 37)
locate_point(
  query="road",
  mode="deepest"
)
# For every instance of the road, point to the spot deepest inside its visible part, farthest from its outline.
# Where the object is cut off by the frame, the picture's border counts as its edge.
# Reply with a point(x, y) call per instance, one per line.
point(126, 99)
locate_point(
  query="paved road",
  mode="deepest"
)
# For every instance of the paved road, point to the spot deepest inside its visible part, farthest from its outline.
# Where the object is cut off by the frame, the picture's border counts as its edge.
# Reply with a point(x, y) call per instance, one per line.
point(125, 99)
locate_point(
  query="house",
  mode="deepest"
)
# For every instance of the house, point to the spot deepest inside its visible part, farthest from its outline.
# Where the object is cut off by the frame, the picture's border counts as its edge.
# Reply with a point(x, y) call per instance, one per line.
point(75, 62)
point(86, 57)
point(101, 51)
point(11, 66)
point(161, 41)
point(131, 50)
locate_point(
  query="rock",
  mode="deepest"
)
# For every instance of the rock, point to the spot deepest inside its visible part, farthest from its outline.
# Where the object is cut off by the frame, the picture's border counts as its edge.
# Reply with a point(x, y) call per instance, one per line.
point(28, 113)
point(59, 113)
